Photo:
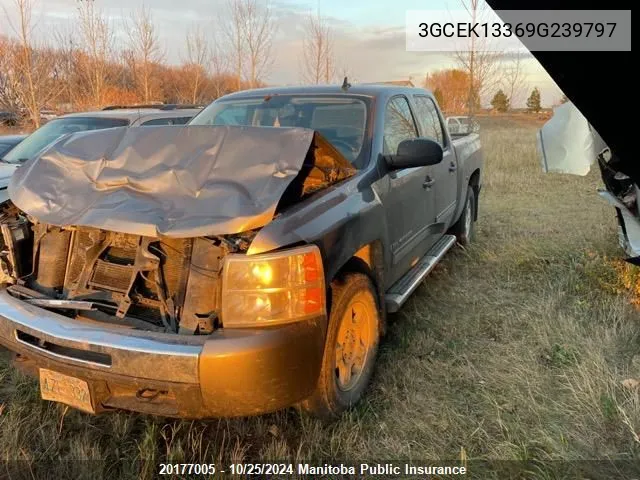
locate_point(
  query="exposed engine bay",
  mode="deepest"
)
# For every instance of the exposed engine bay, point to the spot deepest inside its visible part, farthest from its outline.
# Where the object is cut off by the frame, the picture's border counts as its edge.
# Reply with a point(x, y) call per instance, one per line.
point(161, 284)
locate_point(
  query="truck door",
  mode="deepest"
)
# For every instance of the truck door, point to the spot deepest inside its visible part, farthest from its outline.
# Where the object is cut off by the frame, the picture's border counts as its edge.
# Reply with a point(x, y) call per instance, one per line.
point(410, 203)
point(445, 173)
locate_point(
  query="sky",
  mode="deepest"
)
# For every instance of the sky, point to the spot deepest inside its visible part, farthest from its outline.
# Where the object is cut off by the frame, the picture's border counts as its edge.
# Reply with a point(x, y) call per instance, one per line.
point(369, 35)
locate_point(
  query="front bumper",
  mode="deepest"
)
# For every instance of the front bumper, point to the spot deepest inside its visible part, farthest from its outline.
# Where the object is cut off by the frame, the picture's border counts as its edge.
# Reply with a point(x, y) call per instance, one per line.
point(228, 373)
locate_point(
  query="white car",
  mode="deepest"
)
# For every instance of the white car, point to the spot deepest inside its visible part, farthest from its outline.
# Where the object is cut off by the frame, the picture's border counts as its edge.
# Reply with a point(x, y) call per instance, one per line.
point(80, 122)
point(462, 125)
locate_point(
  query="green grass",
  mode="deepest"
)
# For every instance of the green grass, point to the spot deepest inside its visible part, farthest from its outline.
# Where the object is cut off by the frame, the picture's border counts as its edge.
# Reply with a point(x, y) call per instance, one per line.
point(514, 349)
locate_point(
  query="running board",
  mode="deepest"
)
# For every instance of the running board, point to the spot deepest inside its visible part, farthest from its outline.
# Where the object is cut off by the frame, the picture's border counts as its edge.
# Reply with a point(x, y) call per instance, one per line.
point(403, 288)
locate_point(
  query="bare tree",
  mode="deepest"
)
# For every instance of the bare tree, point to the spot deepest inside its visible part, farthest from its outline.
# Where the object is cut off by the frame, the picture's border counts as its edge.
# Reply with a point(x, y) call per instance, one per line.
point(259, 32)
point(514, 78)
point(9, 96)
point(96, 39)
point(34, 68)
point(317, 55)
point(219, 67)
point(477, 59)
point(146, 50)
point(197, 60)
point(234, 36)
point(249, 33)
point(67, 49)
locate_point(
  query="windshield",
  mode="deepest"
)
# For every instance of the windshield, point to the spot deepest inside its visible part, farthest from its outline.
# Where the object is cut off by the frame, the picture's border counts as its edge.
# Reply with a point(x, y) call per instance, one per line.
point(341, 120)
point(55, 129)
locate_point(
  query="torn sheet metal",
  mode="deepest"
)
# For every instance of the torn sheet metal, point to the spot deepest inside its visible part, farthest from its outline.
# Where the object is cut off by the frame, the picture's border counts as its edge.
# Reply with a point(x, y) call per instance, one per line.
point(567, 143)
point(174, 181)
point(629, 237)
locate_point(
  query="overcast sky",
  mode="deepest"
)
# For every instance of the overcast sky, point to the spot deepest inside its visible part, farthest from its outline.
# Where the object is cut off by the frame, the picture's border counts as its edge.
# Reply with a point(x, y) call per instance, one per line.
point(369, 34)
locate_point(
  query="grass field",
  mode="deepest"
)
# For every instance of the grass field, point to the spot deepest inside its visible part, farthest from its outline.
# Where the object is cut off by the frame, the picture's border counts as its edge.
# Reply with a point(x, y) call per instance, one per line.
point(514, 349)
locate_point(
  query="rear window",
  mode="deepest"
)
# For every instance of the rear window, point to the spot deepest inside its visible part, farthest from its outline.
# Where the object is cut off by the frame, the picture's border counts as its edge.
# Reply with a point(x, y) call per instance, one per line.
point(55, 129)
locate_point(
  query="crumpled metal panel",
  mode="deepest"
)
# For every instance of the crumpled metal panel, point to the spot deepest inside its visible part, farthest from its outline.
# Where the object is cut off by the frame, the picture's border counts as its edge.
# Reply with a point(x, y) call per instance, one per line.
point(173, 181)
point(567, 143)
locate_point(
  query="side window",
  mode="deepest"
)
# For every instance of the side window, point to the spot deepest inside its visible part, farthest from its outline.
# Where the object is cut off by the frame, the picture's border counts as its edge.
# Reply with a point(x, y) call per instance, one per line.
point(165, 121)
point(398, 124)
point(427, 113)
point(181, 120)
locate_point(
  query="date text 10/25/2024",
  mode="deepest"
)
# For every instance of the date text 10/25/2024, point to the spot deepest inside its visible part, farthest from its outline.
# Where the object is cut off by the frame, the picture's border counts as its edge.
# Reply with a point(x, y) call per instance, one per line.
point(364, 469)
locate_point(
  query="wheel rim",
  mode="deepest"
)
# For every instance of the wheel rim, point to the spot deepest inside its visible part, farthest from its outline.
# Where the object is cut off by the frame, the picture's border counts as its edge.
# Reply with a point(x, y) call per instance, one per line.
point(468, 218)
point(353, 343)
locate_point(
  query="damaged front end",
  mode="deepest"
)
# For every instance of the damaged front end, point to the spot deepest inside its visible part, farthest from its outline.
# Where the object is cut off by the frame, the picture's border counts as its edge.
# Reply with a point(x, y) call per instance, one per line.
point(125, 273)
point(157, 284)
point(138, 234)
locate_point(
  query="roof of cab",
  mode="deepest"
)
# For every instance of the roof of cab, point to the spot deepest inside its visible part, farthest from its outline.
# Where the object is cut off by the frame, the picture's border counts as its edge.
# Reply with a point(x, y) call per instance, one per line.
point(364, 89)
point(134, 113)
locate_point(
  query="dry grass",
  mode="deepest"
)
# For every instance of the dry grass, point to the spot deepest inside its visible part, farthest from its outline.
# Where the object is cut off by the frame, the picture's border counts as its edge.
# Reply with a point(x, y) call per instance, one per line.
point(512, 350)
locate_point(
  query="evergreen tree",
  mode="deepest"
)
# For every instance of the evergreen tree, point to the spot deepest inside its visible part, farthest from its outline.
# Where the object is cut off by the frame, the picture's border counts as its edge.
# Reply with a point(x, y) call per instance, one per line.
point(533, 102)
point(500, 102)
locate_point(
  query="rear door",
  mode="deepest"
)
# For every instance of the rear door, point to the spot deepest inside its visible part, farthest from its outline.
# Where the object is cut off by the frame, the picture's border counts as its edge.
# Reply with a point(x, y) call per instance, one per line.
point(445, 173)
point(411, 200)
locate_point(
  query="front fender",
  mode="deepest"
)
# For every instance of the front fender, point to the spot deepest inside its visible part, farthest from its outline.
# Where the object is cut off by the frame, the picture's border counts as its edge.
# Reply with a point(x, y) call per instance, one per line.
point(339, 220)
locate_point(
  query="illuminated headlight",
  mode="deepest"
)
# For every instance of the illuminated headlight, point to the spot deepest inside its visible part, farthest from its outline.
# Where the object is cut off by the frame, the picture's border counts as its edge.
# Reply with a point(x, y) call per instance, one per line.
point(274, 288)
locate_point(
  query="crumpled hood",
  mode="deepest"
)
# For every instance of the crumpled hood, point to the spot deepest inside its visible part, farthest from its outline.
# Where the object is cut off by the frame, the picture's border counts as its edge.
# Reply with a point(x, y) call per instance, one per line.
point(173, 181)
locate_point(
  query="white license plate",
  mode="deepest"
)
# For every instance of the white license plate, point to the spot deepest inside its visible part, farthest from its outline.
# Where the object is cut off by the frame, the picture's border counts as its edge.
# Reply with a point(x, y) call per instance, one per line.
point(61, 388)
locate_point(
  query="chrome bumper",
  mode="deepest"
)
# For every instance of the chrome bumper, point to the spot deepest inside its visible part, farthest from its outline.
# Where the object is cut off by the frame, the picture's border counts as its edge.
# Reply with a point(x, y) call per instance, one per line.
point(120, 351)
point(229, 373)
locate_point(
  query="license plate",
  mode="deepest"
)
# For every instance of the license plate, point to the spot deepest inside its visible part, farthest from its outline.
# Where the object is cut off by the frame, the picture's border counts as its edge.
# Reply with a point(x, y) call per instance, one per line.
point(61, 388)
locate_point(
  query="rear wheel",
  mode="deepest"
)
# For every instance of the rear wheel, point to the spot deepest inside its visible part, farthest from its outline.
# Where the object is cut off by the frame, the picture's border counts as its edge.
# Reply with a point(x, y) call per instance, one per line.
point(464, 229)
point(351, 347)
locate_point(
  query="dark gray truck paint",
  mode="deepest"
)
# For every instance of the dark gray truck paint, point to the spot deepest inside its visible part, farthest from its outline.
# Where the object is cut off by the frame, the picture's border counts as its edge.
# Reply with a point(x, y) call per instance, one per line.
point(393, 210)
point(388, 219)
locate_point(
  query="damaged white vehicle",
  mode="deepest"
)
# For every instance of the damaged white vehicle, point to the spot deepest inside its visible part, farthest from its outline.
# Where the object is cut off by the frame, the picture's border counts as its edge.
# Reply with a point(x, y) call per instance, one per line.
point(567, 143)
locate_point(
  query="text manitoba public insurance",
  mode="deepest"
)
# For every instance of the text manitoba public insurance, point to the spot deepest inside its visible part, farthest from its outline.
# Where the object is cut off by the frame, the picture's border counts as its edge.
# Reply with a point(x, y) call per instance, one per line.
point(384, 469)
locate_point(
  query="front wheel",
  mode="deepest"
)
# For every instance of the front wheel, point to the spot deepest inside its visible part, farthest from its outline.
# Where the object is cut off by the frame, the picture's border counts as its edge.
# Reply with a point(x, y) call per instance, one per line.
point(464, 229)
point(351, 347)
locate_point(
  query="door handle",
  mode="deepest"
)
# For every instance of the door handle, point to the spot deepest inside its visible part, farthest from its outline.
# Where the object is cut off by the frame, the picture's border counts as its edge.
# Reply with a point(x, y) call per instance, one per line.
point(453, 167)
point(428, 183)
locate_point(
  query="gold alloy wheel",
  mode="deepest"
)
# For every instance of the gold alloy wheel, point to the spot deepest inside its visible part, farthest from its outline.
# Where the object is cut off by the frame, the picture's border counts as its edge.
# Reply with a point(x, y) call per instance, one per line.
point(354, 341)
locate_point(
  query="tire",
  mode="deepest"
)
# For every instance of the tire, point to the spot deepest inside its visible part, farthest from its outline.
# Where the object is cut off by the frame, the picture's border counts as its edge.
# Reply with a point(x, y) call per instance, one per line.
point(341, 386)
point(464, 228)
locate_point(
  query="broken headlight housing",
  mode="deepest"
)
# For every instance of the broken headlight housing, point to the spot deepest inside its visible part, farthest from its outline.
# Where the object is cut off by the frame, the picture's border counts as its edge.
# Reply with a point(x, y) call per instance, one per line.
point(274, 288)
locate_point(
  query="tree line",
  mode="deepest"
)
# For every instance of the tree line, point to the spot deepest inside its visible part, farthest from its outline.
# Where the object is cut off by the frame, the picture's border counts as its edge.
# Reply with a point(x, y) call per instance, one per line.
point(87, 66)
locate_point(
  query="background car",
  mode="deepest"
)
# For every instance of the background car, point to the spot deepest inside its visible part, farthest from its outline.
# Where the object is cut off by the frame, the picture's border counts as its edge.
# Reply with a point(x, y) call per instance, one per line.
point(8, 142)
point(80, 122)
point(47, 115)
point(462, 125)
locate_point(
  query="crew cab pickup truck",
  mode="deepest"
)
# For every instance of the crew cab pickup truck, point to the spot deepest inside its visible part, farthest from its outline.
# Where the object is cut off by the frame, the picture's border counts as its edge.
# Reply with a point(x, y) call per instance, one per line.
point(238, 265)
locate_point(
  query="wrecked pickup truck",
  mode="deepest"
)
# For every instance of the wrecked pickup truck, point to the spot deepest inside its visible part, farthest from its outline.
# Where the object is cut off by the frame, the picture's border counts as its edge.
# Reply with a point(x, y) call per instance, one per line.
point(238, 265)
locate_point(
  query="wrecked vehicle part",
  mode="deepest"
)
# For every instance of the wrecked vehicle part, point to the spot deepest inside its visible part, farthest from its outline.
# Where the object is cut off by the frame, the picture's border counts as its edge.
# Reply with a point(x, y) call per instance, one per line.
point(628, 224)
point(15, 244)
point(175, 182)
point(170, 282)
point(567, 143)
point(126, 276)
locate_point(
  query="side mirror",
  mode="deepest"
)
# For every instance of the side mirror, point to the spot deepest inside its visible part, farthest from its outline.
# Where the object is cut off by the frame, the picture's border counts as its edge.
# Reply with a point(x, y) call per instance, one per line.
point(416, 152)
